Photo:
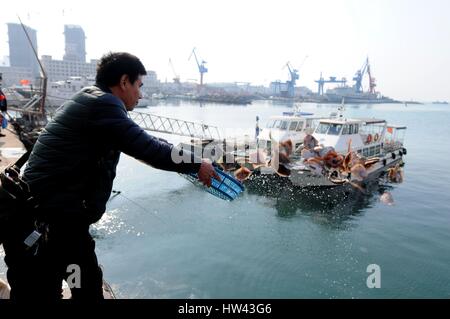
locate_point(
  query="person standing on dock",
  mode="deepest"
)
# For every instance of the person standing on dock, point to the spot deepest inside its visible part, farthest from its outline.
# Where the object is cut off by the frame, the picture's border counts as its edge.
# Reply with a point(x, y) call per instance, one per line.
point(70, 173)
point(3, 109)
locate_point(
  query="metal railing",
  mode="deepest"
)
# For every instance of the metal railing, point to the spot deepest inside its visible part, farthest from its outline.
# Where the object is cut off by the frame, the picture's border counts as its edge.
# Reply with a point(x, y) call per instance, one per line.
point(149, 122)
point(162, 124)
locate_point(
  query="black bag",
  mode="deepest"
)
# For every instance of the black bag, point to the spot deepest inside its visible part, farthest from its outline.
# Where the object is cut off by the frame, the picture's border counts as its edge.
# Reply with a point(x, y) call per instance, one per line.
point(15, 195)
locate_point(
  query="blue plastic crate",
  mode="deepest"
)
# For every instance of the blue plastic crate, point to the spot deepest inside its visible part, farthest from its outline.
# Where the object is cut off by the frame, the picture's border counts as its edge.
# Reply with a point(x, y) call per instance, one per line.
point(228, 188)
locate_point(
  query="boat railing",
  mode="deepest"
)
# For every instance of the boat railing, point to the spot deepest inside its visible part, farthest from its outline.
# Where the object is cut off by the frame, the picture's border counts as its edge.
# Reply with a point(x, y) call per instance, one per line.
point(391, 145)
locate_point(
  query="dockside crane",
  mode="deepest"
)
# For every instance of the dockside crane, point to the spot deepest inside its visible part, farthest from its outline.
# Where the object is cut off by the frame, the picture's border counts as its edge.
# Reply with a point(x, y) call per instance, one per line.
point(294, 77)
point(372, 83)
point(321, 82)
point(359, 76)
point(176, 78)
point(201, 66)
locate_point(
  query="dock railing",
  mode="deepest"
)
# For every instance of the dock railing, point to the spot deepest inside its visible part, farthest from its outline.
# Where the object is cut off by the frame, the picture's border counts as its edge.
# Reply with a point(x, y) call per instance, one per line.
point(151, 122)
point(162, 124)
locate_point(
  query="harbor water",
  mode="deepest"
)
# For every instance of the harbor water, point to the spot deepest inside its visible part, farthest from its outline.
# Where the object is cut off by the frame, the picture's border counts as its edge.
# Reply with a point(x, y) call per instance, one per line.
point(162, 237)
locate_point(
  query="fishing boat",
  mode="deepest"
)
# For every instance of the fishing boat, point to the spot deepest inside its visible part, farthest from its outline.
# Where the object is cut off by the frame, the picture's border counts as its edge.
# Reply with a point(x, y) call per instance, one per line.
point(348, 151)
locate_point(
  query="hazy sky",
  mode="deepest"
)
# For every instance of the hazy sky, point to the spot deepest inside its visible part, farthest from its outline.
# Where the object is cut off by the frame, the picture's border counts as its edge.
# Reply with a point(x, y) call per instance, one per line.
point(407, 41)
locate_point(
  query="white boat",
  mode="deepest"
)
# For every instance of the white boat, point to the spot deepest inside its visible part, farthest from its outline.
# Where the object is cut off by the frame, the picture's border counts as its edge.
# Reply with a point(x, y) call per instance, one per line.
point(345, 151)
point(351, 150)
point(288, 126)
point(60, 91)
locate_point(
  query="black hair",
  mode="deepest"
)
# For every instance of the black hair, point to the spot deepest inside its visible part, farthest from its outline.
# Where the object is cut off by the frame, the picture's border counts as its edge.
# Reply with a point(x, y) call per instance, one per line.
point(113, 65)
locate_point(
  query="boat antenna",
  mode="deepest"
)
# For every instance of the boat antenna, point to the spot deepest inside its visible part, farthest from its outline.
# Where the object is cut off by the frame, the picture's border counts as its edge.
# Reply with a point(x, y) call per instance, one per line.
point(43, 73)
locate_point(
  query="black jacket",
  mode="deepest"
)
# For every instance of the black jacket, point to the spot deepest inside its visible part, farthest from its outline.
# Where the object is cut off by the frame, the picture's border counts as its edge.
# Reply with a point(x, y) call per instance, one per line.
point(73, 163)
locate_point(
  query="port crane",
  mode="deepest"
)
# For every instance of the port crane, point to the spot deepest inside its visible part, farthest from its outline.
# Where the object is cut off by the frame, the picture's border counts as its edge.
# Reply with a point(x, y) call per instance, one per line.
point(372, 83)
point(176, 78)
point(294, 77)
point(201, 66)
point(321, 82)
point(359, 77)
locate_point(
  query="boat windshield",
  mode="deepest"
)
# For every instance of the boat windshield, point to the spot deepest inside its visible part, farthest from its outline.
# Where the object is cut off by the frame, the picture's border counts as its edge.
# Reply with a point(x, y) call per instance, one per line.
point(274, 124)
point(280, 124)
point(277, 124)
point(292, 126)
point(335, 129)
point(329, 128)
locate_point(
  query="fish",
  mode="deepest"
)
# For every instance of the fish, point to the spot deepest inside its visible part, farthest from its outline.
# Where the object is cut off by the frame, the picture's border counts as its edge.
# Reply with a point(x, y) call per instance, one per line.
point(342, 181)
point(395, 174)
point(286, 147)
point(370, 162)
point(280, 156)
point(282, 150)
point(315, 164)
point(242, 174)
point(387, 199)
point(359, 172)
point(350, 158)
point(333, 159)
point(228, 166)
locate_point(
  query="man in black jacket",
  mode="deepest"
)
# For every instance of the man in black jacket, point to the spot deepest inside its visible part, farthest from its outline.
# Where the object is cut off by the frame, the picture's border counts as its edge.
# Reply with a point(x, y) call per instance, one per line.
point(71, 171)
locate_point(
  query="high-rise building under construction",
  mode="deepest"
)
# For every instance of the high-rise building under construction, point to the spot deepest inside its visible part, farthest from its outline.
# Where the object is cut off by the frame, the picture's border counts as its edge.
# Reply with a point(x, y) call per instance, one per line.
point(75, 43)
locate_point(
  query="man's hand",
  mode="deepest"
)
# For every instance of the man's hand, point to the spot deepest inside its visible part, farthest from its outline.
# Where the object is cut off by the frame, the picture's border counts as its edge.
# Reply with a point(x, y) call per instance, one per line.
point(205, 173)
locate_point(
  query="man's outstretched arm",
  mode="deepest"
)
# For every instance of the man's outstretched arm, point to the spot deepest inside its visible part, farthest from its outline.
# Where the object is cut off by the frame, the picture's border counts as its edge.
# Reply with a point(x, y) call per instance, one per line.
point(130, 138)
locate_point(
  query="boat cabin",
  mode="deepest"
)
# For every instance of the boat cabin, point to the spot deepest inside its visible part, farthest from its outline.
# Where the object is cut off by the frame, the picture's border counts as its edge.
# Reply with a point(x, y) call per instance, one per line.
point(289, 126)
point(365, 135)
